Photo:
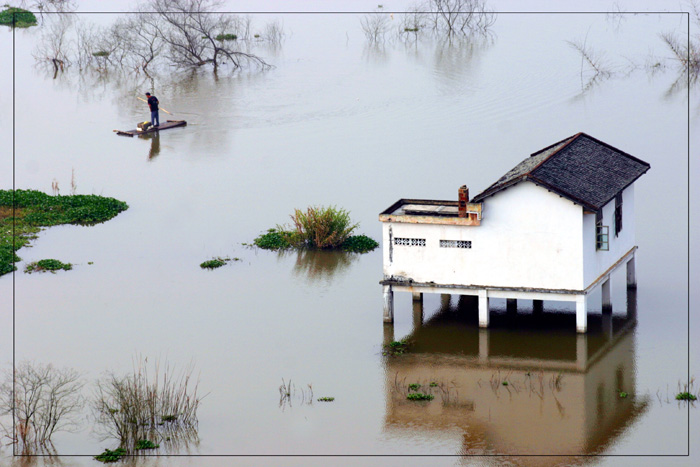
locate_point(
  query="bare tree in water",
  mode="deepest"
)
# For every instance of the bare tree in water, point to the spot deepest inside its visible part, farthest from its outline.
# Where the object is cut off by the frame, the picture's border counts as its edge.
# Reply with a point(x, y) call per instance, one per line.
point(463, 17)
point(196, 35)
point(53, 47)
point(45, 400)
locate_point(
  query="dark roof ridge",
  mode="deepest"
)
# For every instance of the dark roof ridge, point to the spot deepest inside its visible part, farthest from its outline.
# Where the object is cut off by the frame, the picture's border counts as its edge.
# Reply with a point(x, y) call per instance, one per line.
point(552, 145)
point(571, 140)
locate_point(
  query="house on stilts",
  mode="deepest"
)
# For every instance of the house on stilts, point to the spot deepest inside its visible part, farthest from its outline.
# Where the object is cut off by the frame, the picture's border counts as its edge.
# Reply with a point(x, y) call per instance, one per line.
point(554, 227)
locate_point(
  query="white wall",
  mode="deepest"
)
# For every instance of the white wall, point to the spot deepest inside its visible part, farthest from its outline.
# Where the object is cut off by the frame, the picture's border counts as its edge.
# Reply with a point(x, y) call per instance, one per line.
point(597, 262)
point(528, 237)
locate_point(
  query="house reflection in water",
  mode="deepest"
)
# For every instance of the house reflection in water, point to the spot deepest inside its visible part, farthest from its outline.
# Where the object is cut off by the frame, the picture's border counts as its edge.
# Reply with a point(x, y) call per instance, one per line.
point(527, 388)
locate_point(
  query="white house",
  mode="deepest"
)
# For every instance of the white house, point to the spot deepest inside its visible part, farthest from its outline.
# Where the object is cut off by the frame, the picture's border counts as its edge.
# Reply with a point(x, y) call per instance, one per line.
point(553, 228)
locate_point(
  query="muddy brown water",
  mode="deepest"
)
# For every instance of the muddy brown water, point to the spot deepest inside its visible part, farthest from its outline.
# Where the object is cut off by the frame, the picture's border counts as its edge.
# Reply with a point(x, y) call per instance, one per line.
point(340, 122)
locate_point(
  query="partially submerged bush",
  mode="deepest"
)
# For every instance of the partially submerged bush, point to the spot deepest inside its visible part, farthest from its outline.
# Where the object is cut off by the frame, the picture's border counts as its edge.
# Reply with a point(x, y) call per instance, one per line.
point(109, 456)
point(226, 37)
point(17, 17)
point(43, 265)
point(275, 239)
point(359, 244)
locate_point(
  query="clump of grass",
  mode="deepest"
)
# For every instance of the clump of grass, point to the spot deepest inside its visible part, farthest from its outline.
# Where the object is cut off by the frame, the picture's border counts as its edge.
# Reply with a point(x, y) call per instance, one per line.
point(396, 347)
point(326, 399)
point(226, 37)
point(505, 383)
point(17, 17)
point(109, 456)
point(145, 444)
point(413, 387)
point(43, 265)
point(322, 227)
point(24, 212)
point(686, 391)
point(410, 29)
point(686, 396)
point(419, 396)
point(359, 244)
point(623, 395)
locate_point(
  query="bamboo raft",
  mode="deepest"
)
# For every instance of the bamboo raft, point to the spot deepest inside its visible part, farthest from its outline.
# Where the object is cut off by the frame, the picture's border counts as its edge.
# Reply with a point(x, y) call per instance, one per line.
point(165, 126)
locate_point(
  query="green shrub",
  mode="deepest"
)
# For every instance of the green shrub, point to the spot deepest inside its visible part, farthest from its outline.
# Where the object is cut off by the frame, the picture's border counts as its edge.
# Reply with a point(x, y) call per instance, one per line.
point(322, 227)
point(52, 265)
point(17, 17)
point(111, 456)
point(226, 37)
point(359, 244)
point(145, 444)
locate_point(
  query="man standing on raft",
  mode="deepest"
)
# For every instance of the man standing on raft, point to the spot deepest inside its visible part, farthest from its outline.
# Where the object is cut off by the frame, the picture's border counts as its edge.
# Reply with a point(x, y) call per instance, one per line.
point(153, 104)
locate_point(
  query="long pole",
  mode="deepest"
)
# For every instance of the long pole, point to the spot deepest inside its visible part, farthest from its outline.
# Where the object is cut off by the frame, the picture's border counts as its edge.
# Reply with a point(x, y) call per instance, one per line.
point(161, 108)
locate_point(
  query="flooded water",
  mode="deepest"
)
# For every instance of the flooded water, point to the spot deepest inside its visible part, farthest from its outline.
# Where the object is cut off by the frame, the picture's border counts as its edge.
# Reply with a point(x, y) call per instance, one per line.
point(339, 121)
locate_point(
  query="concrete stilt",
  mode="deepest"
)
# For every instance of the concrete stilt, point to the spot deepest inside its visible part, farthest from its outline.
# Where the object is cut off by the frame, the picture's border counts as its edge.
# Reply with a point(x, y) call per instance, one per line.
point(537, 307)
point(417, 312)
point(512, 305)
point(483, 345)
point(483, 309)
point(631, 274)
point(417, 296)
point(632, 304)
point(607, 326)
point(581, 316)
point(581, 351)
point(445, 300)
point(388, 304)
point(388, 337)
point(607, 302)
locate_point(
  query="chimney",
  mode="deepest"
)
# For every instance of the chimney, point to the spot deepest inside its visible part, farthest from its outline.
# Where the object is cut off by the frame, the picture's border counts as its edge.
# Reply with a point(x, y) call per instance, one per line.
point(463, 197)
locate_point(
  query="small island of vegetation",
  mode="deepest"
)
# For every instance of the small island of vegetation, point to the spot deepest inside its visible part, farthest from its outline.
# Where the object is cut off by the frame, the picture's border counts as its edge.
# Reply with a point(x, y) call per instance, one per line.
point(24, 212)
point(317, 228)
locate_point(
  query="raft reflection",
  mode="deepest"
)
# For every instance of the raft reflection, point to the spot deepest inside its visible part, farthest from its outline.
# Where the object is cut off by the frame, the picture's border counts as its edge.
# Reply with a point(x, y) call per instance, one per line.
point(526, 386)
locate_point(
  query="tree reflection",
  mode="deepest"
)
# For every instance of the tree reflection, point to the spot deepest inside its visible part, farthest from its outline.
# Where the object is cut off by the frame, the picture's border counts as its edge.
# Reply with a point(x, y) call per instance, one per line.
point(317, 265)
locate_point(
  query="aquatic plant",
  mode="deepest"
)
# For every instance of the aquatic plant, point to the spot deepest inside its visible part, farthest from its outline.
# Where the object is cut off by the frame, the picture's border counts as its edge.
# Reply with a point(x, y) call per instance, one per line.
point(433, 384)
point(17, 17)
point(396, 347)
point(326, 399)
point(24, 212)
point(100, 53)
point(413, 387)
point(226, 37)
point(52, 265)
point(359, 244)
point(274, 239)
point(215, 263)
point(109, 456)
point(288, 392)
point(145, 444)
point(419, 396)
point(133, 407)
point(686, 396)
point(623, 395)
point(322, 227)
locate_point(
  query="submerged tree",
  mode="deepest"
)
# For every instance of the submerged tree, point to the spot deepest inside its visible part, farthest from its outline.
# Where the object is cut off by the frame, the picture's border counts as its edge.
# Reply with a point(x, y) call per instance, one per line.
point(464, 17)
point(45, 400)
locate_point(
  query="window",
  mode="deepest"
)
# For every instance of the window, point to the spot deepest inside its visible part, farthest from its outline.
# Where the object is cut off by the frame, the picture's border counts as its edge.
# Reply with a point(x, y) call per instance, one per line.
point(409, 241)
point(602, 236)
point(618, 213)
point(455, 244)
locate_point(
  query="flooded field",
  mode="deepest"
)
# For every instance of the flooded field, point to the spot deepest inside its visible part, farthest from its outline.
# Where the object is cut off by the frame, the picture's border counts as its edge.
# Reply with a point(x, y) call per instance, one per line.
point(340, 120)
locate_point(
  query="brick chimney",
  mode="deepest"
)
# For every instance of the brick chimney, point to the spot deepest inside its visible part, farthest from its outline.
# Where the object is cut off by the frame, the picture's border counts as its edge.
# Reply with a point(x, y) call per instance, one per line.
point(463, 197)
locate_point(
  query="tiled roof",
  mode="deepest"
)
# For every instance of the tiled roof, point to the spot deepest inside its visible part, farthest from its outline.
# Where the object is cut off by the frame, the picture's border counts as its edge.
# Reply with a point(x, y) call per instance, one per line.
point(581, 168)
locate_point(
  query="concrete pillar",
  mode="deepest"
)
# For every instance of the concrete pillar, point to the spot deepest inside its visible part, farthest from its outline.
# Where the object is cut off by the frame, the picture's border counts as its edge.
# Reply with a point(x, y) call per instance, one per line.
point(581, 351)
point(537, 307)
point(483, 309)
point(417, 312)
point(388, 337)
point(483, 345)
point(607, 326)
point(512, 305)
point(581, 316)
point(632, 304)
point(417, 296)
point(445, 300)
point(607, 302)
point(631, 274)
point(388, 304)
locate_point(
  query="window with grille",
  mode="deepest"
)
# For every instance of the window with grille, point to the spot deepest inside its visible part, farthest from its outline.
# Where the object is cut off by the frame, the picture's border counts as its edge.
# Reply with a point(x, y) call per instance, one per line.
point(409, 241)
point(455, 243)
point(602, 238)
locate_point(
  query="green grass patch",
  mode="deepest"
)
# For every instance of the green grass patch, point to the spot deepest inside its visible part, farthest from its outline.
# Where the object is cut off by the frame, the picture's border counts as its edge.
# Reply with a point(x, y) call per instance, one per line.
point(413, 387)
point(275, 239)
point(111, 456)
point(17, 17)
point(419, 396)
point(359, 244)
point(396, 347)
point(686, 396)
point(326, 399)
point(623, 395)
point(24, 212)
point(145, 444)
point(44, 265)
point(217, 262)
